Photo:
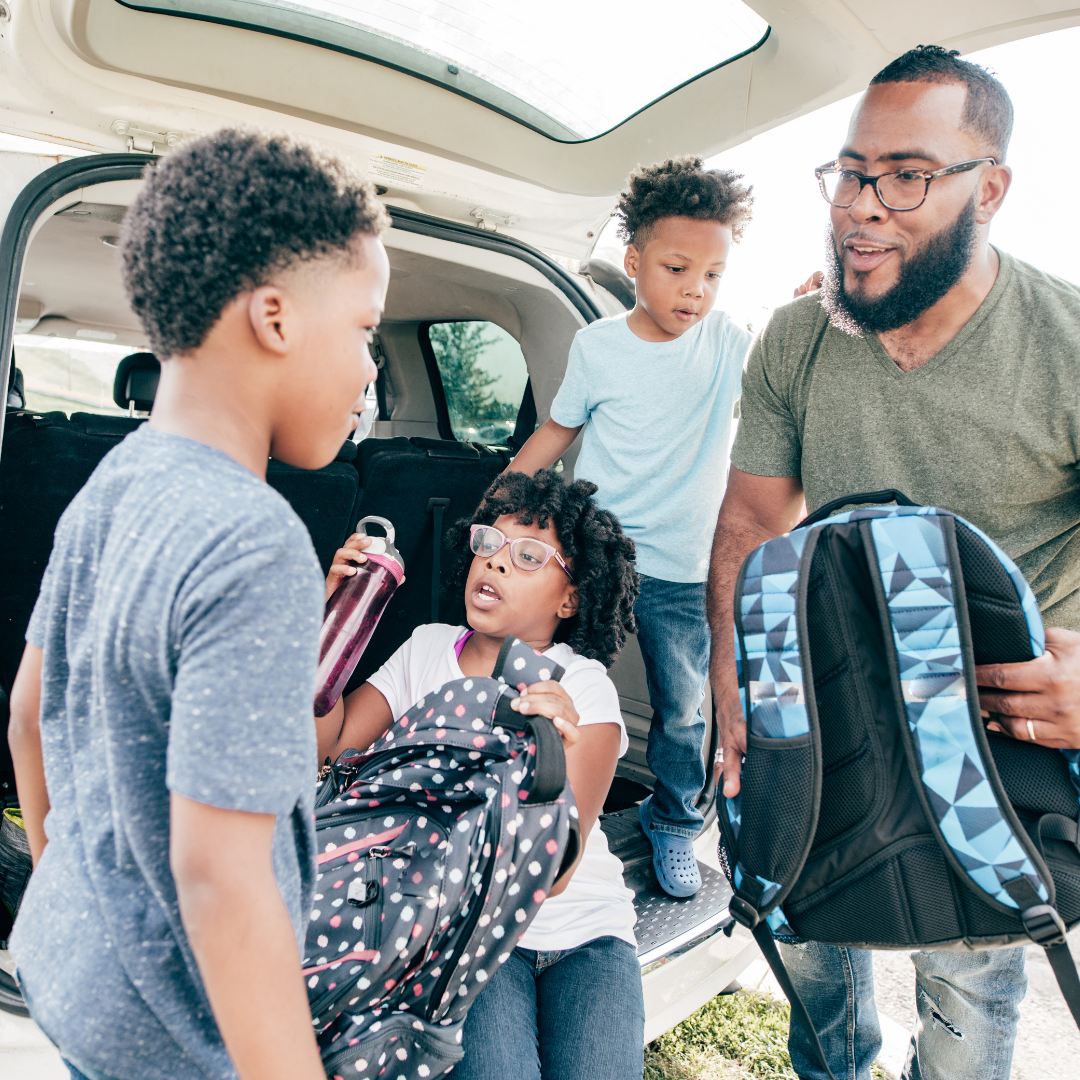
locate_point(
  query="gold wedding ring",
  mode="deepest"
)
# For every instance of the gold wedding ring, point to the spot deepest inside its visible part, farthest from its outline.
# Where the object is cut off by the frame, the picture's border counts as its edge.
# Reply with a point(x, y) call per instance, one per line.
point(1031, 730)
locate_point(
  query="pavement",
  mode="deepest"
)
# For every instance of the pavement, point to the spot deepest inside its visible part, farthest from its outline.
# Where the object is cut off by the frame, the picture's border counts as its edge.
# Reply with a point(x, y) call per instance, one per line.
point(1047, 1039)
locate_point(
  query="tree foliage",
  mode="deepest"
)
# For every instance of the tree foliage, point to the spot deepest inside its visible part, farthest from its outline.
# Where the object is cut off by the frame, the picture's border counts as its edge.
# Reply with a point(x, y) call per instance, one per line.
point(468, 387)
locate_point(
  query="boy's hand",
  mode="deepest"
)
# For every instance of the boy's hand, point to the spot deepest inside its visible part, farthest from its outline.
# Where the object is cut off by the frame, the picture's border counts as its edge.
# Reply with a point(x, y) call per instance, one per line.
point(811, 284)
point(551, 700)
point(346, 559)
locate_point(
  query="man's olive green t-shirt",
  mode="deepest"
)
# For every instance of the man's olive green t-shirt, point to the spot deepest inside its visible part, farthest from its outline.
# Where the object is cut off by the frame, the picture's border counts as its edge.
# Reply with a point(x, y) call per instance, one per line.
point(988, 428)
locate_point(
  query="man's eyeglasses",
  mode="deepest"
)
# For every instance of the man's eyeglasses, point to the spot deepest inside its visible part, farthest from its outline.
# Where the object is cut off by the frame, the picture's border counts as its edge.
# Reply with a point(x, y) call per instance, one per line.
point(526, 553)
point(905, 189)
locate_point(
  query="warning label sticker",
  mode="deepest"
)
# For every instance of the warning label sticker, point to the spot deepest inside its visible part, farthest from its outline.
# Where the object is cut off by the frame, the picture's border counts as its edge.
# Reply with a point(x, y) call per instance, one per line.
point(394, 171)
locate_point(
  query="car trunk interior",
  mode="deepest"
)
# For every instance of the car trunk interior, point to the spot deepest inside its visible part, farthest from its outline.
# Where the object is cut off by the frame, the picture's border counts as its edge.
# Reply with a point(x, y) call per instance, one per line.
point(71, 295)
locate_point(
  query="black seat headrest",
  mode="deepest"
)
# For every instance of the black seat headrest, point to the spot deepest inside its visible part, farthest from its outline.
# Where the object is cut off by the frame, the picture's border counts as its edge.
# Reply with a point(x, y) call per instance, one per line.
point(136, 381)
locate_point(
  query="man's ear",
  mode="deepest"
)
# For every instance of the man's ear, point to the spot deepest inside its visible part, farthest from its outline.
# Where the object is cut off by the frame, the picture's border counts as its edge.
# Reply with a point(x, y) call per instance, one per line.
point(569, 607)
point(992, 192)
point(631, 260)
point(272, 316)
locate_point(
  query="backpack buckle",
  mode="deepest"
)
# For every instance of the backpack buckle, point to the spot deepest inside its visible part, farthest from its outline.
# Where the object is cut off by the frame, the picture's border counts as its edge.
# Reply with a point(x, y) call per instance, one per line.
point(746, 914)
point(1044, 925)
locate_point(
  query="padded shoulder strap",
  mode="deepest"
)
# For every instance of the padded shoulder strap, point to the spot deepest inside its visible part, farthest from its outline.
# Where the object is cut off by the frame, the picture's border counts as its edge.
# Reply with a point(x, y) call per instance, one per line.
point(519, 664)
point(915, 568)
point(783, 743)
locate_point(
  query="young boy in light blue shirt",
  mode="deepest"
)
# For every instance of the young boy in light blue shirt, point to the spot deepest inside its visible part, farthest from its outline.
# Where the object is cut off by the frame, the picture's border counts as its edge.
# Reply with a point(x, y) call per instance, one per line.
point(656, 391)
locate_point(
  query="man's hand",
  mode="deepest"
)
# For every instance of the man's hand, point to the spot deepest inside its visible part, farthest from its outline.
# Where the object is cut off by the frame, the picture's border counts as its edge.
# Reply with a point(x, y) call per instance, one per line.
point(1044, 691)
point(811, 284)
point(551, 700)
point(755, 509)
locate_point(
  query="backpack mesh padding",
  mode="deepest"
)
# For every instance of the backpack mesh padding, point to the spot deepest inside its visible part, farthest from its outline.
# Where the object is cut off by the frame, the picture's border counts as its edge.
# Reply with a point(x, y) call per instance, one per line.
point(999, 631)
point(896, 880)
point(839, 570)
point(1034, 777)
point(1066, 873)
point(775, 792)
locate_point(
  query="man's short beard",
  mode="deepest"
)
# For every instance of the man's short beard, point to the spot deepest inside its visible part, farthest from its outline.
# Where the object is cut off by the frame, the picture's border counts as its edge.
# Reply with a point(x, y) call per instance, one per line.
point(925, 277)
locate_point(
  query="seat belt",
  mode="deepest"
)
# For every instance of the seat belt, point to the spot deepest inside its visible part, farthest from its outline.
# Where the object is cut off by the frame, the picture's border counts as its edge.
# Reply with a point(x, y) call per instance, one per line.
point(438, 508)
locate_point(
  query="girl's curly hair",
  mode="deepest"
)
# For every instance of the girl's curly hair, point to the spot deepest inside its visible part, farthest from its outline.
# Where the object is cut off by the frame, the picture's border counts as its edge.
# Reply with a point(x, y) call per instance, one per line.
point(682, 187)
point(601, 556)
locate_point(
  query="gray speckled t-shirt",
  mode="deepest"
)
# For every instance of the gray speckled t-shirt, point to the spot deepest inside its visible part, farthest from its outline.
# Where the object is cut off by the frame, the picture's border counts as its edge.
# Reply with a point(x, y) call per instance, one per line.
point(179, 619)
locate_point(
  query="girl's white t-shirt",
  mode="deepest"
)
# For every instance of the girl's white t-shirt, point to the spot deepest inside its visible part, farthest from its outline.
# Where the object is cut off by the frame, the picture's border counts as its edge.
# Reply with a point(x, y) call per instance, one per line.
point(596, 903)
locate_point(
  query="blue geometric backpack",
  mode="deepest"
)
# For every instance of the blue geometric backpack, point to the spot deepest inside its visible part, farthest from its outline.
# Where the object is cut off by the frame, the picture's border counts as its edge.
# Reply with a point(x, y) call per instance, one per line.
point(434, 851)
point(876, 810)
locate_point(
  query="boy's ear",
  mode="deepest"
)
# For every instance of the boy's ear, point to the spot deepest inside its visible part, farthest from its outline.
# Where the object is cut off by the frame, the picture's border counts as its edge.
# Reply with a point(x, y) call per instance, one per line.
point(569, 607)
point(631, 260)
point(271, 312)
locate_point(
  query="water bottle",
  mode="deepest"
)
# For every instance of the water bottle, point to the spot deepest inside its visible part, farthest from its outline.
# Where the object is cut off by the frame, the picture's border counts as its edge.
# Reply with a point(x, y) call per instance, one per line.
point(353, 612)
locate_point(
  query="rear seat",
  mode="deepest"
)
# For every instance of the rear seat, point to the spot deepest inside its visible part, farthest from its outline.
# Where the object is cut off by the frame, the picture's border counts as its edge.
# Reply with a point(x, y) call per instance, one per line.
point(420, 486)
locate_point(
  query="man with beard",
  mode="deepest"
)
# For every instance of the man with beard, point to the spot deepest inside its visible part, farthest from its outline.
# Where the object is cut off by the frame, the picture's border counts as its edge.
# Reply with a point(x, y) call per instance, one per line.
point(932, 363)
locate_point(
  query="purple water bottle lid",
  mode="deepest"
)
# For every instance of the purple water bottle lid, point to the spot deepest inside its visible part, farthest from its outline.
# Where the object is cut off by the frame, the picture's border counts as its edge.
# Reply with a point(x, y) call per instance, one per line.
point(382, 550)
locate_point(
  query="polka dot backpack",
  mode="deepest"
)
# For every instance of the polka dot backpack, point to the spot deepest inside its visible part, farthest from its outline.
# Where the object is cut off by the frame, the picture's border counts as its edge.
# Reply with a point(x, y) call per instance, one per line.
point(435, 850)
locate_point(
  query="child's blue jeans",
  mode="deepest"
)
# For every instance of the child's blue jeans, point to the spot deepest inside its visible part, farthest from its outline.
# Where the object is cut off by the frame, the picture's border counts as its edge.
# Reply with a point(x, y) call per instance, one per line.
point(575, 1014)
point(673, 632)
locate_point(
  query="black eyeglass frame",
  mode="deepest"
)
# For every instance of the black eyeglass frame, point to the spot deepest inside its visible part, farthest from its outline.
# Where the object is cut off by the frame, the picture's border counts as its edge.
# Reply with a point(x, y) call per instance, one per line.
point(949, 170)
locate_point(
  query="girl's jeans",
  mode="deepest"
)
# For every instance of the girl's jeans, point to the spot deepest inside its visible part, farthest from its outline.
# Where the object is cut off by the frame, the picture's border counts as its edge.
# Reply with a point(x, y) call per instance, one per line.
point(967, 1017)
point(673, 633)
point(576, 1014)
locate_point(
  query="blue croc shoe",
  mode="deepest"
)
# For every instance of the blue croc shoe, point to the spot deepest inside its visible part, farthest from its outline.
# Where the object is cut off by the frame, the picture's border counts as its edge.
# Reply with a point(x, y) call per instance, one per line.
point(673, 858)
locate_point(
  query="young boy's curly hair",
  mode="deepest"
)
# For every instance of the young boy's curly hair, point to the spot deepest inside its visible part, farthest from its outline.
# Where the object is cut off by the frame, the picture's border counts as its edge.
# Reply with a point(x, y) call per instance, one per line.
point(681, 187)
point(226, 213)
point(601, 557)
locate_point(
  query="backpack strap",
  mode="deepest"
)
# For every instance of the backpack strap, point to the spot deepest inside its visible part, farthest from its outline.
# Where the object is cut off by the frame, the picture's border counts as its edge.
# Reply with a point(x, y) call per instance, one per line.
point(1046, 928)
point(919, 584)
point(517, 666)
point(520, 665)
point(781, 782)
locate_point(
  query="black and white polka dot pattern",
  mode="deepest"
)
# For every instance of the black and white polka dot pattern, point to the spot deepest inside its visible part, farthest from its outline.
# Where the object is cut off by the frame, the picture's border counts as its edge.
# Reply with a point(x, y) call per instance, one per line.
point(432, 863)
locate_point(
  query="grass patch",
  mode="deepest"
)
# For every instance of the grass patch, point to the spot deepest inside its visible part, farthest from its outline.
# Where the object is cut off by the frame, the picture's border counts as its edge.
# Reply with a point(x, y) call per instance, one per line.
point(739, 1036)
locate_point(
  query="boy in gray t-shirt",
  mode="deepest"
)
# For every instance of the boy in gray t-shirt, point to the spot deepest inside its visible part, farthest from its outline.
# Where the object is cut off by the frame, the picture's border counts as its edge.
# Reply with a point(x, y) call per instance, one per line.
point(162, 713)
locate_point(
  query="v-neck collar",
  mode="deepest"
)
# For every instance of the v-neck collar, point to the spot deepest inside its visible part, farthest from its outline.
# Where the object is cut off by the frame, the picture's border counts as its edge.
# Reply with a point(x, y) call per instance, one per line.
point(956, 343)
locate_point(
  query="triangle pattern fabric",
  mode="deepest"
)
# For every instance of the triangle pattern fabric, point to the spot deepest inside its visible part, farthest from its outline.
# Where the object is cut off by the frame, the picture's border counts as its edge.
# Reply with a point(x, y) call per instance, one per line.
point(914, 566)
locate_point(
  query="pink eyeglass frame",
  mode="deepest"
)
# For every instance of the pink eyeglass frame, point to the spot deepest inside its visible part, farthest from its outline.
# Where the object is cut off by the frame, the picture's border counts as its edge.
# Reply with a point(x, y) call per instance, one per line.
point(548, 549)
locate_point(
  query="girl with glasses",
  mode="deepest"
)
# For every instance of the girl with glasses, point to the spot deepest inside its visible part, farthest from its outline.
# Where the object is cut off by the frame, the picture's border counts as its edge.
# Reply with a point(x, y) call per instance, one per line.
point(542, 562)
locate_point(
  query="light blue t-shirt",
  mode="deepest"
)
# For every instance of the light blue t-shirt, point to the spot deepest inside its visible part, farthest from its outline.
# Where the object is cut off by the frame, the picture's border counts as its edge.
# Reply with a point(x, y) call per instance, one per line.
point(659, 427)
point(179, 622)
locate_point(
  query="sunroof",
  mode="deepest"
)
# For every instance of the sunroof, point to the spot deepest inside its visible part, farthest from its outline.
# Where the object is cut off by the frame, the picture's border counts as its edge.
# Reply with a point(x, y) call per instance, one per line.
point(571, 69)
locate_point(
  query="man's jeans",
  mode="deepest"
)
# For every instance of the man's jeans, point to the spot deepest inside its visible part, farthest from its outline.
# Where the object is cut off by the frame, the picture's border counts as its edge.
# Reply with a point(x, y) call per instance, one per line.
point(577, 1014)
point(967, 1005)
point(673, 633)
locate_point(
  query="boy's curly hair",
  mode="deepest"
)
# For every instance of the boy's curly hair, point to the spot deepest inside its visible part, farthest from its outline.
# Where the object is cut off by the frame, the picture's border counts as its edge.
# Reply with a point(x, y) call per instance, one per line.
point(601, 556)
point(224, 214)
point(681, 187)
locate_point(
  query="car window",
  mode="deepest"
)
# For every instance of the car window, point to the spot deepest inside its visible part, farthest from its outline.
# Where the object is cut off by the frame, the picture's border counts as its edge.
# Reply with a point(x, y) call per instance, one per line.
point(559, 67)
point(483, 375)
point(67, 374)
